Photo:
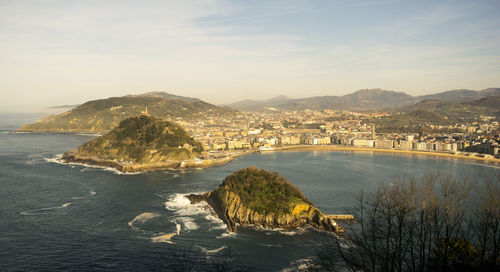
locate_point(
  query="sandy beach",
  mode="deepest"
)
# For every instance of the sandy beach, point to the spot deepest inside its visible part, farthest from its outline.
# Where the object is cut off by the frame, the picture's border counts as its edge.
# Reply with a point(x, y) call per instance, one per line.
point(361, 149)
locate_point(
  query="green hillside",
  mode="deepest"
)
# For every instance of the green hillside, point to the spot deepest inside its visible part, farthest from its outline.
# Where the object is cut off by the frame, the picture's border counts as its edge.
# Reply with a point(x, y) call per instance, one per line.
point(142, 139)
point(104, 114)
point(263, 191)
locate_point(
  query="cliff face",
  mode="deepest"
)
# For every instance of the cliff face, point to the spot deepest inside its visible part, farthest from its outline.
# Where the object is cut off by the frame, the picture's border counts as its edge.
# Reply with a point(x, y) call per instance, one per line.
point(236, 211)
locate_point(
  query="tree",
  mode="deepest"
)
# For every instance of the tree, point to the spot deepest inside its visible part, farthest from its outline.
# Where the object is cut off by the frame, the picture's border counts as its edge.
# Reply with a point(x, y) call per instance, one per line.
point(430, 223)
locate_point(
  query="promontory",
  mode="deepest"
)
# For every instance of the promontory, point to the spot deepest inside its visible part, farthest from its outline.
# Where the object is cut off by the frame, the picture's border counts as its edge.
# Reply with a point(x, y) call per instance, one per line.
point(104, 114)
point(255, 197)
point(138, 144)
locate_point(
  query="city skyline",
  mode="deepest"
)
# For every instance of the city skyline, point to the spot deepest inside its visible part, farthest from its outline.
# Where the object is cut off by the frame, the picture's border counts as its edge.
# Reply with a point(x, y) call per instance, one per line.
point(69, 52)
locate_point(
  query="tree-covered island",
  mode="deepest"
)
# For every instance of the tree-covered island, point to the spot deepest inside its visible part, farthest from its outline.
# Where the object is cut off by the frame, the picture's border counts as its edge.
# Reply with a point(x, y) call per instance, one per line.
point(139, 144)
point(252, 196)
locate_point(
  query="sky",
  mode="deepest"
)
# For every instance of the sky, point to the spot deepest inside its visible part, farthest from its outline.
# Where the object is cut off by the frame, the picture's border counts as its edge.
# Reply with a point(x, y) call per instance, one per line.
point(68, 52)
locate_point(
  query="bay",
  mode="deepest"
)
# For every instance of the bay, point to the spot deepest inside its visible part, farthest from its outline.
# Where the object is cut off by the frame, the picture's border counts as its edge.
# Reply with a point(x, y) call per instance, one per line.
point(71, 217)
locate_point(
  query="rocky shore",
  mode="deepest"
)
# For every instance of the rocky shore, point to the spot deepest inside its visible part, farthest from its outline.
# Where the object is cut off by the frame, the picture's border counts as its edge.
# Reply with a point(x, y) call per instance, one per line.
point(235, 211)
point(72, 157)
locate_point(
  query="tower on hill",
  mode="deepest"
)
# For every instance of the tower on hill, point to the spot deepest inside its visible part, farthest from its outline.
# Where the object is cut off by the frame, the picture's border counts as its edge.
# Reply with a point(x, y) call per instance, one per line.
point(145, 112)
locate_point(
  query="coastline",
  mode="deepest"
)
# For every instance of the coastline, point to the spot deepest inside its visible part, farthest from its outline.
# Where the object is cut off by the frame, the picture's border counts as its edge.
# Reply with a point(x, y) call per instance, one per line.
point(70, 157)
point(327, 148)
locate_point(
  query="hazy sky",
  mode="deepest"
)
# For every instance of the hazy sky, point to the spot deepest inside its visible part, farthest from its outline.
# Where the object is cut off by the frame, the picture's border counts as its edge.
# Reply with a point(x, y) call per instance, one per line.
point(68, 52)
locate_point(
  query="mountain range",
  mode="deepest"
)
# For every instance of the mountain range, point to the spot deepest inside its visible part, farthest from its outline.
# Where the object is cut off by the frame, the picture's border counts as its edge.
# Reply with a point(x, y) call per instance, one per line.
point(365, 99)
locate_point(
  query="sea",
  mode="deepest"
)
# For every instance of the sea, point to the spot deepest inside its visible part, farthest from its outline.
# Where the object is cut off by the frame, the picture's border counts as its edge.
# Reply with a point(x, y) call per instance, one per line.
point(60, 217)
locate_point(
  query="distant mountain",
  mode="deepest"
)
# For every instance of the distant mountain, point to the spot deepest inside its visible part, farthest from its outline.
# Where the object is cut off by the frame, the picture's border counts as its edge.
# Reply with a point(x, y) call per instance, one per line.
point(441, 112)
point(167, 95)
point(251, 105)
point(64, 106)
point(461, 95)
point(365, 99)
point(104, 114)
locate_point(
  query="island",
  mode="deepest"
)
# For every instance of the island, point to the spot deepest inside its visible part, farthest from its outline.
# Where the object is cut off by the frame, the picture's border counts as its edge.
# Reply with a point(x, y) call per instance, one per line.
point(142, 143)
point(260, 198)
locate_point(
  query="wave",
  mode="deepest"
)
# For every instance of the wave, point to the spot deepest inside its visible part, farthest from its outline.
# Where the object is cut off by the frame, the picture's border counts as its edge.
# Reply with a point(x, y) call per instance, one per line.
point(187, 223)
point(164, 238)
point(141, 219)
point(211, 251)
point(299, 230)
point(42, 210)
point(91, 193)
point(483, 164)
point(185, 213)
point(270, 245)
point(226, 234)
point(57, 159)
point(89, 134)
point(304, 264)
point(19, 132)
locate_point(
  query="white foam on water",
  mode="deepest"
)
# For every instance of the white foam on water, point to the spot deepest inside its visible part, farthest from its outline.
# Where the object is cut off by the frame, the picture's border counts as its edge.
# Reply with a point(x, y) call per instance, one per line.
point(227, 234)
point(270, 245)
point(57, 159)
point(91, 193)
point(299, 230)
point(185, 213)
point(186, 222)
point(40, 211)
point(178, 228)
point(211, 251)
point(164, 238)
point(89, 134)
point(141, 219)
point(300, 265)
point(483, 164)
point(219, 224)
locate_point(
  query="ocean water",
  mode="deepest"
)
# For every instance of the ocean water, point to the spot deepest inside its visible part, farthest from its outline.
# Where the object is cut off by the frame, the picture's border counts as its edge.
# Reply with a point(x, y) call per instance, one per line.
point(77, 218)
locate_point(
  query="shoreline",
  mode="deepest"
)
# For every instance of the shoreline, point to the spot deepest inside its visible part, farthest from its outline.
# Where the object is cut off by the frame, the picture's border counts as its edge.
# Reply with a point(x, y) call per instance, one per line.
point(329, 148)
point(70, 157)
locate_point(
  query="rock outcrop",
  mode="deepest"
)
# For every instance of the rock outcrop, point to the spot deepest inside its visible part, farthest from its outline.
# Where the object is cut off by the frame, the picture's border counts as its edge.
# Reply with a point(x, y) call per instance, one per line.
point(239, 201)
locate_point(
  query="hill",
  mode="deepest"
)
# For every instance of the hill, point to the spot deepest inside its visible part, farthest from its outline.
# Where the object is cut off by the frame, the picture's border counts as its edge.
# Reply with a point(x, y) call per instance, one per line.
point(104, 114)
point(440, 112)
point(138, 140)
point(251, 105)
point(167, 95)
point(251, 196)
point(366, 99)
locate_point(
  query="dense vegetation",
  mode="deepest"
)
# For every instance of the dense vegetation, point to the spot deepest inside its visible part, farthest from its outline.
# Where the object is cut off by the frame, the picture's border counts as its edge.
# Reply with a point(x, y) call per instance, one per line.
point(143, 138)
point(104, 114)
point(430, 223)
point(263, 191)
